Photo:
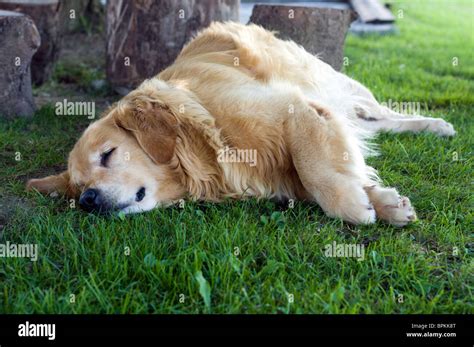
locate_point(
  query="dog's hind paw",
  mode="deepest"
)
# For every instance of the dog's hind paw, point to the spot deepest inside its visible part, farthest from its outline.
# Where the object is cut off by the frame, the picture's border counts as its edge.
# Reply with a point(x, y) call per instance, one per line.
point(441, 127)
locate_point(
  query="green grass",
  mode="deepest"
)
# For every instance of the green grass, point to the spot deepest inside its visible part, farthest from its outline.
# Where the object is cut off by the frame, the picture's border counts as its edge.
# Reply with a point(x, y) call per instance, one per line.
point(79, 74)
point(251, 256)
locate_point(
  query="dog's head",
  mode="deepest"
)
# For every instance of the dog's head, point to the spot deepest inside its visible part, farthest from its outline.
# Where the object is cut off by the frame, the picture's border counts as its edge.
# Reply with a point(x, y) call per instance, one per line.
point(124, 161)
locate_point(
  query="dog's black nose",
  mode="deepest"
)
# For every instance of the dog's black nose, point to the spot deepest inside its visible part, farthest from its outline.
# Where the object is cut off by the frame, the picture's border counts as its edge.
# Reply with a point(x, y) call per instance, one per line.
point(91, 200)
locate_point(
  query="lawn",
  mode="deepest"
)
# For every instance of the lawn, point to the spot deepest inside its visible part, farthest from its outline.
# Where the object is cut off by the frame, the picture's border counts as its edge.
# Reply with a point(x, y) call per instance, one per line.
point(260, 256)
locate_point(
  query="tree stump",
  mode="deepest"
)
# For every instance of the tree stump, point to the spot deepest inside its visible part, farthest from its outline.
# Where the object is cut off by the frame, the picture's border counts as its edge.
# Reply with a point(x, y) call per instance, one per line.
point(321, 31)
point(19, 40)
point(45, 14)
point(144, 37)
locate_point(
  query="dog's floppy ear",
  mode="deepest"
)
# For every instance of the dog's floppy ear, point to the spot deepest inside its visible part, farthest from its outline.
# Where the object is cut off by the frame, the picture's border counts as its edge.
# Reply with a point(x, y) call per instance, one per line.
point(51, 184)
point(154, 127)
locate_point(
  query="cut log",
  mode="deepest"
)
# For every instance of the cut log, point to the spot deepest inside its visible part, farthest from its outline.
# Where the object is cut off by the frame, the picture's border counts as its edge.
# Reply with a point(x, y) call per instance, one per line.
point(19, 40)
point(144, 37)
point(45, 14)
point(321, 31)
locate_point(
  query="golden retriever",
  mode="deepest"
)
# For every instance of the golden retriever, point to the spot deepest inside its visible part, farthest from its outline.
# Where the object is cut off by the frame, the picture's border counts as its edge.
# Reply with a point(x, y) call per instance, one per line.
point(240, 113)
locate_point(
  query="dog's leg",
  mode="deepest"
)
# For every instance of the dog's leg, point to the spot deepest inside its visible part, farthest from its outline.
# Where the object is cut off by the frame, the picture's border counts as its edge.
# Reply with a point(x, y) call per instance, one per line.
point(329, 163)
point(388, 120)
point(372, 116)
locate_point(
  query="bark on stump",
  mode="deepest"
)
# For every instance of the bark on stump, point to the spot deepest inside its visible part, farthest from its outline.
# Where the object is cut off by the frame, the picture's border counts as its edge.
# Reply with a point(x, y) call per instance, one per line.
point(45, 14)
point(144, 37)
point(321, 31)
point(19, 40)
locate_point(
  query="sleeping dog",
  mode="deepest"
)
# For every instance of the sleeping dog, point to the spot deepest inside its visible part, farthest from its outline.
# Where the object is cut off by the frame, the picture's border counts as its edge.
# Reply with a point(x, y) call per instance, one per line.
point(234, 92)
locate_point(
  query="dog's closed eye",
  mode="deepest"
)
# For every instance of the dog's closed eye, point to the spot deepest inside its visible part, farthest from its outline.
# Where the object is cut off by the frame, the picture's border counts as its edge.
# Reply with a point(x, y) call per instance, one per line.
point(104, 157)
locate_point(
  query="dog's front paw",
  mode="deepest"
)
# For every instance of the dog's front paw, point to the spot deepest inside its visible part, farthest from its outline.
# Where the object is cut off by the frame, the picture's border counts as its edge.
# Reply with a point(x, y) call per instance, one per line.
point(403, 213)
point(399, 214)
point(390, 206)
point(441, 127)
